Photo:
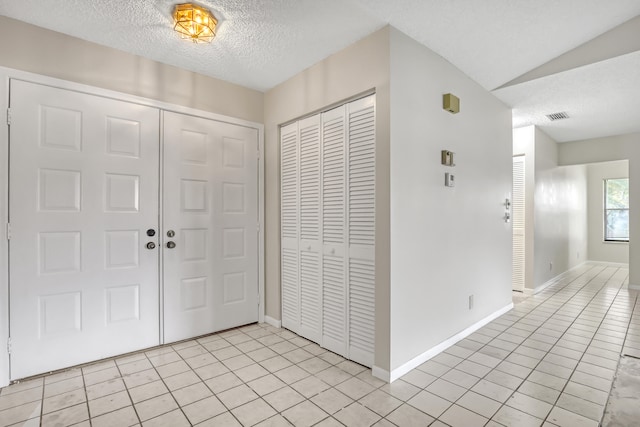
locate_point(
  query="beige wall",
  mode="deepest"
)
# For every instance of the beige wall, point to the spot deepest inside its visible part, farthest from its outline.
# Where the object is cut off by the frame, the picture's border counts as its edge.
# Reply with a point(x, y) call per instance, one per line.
point(446, 243)
point(599, 250)
point(362, 67)
point(34, 49)
point(620, 147)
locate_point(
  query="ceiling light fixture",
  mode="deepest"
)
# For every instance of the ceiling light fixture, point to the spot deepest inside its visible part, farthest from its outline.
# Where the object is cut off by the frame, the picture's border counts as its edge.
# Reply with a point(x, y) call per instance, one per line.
point(194, 22)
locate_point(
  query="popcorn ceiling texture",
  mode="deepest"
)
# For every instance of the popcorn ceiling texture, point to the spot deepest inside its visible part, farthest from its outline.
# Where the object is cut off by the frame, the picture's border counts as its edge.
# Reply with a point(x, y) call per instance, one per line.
point(261, 43)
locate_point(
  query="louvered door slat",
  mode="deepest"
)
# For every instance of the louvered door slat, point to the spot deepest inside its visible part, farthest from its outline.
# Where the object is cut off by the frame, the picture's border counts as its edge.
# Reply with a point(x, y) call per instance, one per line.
point(361, 310)
point(289, 205)
point(310, 181)
point(518, 222)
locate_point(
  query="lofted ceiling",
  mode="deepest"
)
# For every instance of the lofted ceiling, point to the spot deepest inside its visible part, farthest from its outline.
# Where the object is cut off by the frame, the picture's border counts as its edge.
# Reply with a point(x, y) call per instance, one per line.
point(538, 56)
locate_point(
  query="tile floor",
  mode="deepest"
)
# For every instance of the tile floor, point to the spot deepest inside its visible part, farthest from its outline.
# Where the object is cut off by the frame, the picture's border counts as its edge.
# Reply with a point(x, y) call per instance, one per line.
point(549, 361)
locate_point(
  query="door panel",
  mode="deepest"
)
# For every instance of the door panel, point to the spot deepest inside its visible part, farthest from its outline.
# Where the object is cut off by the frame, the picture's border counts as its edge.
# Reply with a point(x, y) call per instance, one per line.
point(83, 192)
point(211, 204)
point(518, 222)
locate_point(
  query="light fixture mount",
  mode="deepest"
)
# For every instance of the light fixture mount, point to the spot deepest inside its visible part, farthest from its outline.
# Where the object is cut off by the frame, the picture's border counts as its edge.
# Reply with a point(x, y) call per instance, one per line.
point(194, 22)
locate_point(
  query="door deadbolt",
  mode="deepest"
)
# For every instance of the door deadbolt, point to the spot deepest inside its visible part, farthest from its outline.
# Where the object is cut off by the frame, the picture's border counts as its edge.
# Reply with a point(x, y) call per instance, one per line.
point(171, 233)
point(151, 245)
point(151, 232)
point(171, 244)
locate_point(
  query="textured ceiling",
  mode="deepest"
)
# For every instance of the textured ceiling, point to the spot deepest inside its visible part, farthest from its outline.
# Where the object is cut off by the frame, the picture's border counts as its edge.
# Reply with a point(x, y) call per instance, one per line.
point(261, 43)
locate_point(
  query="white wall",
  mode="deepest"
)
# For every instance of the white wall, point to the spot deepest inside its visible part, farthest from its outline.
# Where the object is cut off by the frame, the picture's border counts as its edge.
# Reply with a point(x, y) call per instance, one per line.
point(620, 147)
point(560, 213)
point(599, 250)
point(446, 243)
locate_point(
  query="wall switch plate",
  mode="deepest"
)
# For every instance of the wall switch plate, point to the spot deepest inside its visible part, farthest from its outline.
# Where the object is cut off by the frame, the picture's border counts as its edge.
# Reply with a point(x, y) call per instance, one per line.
point(447, 158)
point(449, 179)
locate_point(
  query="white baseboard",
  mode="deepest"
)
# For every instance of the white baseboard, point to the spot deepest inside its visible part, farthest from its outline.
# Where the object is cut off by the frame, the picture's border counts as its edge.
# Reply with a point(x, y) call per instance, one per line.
point(273, 322)
point(434, 351)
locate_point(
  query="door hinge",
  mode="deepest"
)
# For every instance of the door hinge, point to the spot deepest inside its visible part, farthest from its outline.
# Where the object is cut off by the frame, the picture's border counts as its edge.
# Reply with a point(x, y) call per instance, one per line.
point(8, 231)
point(8, 116)
point(9, 345)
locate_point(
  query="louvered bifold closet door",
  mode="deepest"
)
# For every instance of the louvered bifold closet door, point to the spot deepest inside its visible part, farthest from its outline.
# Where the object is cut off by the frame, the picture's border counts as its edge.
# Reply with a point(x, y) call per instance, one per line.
point(310, 226)
point(289, 226)
point(334, 287)
point(518, 222)
point(361, 229)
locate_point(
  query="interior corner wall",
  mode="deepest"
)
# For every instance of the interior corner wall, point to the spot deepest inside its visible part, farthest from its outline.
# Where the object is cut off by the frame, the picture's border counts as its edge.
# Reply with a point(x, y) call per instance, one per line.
point(524, 144)
point(359, 68)
point(446, 243)
point(599, 250)
point(560, 213)
point(619, 147)
point(53, 54)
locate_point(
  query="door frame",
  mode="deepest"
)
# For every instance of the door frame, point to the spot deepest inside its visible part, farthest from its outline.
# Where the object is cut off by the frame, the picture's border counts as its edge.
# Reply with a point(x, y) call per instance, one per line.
point(6, 74)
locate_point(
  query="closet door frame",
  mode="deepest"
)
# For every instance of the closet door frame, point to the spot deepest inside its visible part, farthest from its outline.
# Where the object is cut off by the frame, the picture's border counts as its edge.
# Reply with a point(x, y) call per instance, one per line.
point(6, 74)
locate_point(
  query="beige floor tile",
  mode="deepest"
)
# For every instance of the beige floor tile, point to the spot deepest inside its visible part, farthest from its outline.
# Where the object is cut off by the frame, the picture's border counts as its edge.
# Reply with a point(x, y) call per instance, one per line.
point(21, 413)
point(591, 381)
point(587, 393)
point(457, 416)
point(275, 363)
point(418, 378)
point(251, 372)
point(67, 416)
point(64, 375)
point(304, 414)
point(179, 381)
point(458, 351)
point(137, 366)
point(408, 416)
point(101, 376)
point(479, 404)
point(484, 359)
point(236, 362)
point(447, 359)
point(502, 378)
point(173, 418)
point(226, 419)
point(331, 400)
point(446, 390)
point(492, 391)
point(509, 416)
point(253, 412)
point(210, 371)
point(580, 406)
point(192, 393)
point(223, 382)
point(291, 374)
point(141, 378)
point(147, 391)
point(109, 403)
point(193, 351)
point(356, 415)
point(298, 355)
point(204, 409)
point(433, 368)
point(401, 390)
point(539, 392)
point(155, 406)
point(473, 368)
point(237, 396)
point(20, 398)
point(172, 369)
point(529, 405)
point(262, 354)
point(64, 400)
point(284, 398)
point(98, 366)
point(265, 385)
point(563, 418)
point(355, 388)
point(380, 402)
point(351, 367)
point(201, 360)
point(63, 386)
point(124, 417)
point(105, 388)
point(429, 403)
point(310, 386)
point(164, 358)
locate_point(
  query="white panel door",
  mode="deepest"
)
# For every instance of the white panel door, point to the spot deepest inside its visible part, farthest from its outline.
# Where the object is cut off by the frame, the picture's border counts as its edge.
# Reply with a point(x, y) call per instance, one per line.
point(361, 228)
point(83, 193)
point(289, 201)
point(334, 280)
point(518, 223)
point(310, 249)
point(210, 204)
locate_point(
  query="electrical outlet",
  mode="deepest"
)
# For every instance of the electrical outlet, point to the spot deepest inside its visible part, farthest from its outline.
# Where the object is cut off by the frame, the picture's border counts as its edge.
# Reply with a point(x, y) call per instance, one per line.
point(470, 302)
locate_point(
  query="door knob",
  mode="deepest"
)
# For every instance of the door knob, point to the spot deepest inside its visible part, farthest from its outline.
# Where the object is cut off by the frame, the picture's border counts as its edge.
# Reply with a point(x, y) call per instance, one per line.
point(151, 232)
point(151, 245)
point(171, 233)
point(171, 244)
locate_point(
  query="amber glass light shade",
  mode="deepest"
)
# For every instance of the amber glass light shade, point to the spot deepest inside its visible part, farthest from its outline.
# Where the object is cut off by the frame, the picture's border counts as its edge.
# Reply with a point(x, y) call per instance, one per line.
point(194, 22)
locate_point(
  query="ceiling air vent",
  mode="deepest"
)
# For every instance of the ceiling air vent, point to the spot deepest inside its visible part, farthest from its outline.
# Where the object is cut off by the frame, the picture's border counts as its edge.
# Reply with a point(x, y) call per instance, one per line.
point(557, 116)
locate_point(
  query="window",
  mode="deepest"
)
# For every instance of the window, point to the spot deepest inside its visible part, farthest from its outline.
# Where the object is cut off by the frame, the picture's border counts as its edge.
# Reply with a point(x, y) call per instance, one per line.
point(616, 210)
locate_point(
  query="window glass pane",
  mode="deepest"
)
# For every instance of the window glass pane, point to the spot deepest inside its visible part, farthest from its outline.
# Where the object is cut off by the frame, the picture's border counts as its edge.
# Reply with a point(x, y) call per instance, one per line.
point(617, 224)
point(617, 194)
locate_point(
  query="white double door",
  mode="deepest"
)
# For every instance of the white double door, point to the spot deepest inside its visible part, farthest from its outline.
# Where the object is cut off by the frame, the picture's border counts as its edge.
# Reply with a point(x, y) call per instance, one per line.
point(92, 271)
